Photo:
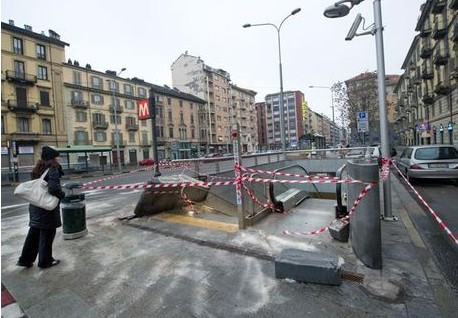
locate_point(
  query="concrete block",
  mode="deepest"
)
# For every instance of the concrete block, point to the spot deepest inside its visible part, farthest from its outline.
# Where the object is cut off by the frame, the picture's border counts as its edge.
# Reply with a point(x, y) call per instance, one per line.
point(339, 230)
point(308, 267)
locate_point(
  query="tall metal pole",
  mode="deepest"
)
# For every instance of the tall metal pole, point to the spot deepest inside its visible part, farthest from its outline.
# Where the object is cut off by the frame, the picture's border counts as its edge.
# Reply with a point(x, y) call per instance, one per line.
point(281, 105)
point(384, 137)
point(115, 111)
point(117, 135)
point(152, 111)
point(282, 109)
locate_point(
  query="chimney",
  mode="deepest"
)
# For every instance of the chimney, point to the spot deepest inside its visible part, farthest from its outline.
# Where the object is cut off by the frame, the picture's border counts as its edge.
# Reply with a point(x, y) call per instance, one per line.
point(11, 22)
point(27, 27)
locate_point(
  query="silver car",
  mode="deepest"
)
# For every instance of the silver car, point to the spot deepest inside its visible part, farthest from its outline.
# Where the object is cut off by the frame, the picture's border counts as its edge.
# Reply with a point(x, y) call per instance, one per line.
point(430, 162)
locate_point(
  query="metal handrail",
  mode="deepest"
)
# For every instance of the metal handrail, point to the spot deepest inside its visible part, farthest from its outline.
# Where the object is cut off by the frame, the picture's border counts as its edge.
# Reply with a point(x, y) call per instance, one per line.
point(271, 185)
point(340, 208)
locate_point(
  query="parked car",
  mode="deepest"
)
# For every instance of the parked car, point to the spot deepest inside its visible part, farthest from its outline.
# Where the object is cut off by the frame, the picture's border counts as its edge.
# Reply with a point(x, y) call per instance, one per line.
point(429, 162)
point(146, 162)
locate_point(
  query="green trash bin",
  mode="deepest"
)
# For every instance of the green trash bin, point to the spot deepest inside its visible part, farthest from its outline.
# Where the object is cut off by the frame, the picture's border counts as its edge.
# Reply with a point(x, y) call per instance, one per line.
point(73, 216)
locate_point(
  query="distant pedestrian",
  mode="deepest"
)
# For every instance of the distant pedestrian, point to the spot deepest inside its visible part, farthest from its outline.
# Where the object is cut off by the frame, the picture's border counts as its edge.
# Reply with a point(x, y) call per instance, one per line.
point(43, 223)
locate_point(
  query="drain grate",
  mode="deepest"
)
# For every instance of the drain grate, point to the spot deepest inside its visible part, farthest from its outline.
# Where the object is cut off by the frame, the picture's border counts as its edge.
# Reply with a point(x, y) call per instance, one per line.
point(353, 277)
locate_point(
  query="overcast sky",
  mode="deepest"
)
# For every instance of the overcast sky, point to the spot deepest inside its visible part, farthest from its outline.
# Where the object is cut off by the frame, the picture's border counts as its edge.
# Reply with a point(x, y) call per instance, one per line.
point(147, 36)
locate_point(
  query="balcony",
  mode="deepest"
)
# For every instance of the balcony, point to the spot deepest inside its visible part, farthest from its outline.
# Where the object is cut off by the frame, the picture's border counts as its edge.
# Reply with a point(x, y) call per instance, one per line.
point(118, 109)
point(438, 6)
point(26, 136)
point(21, 78)
point(440, 28)
point(100, 125)
point(440, 55)
point(77, 103)
point(428, 98)
point(441, 88)
point(131, 126)
point(22, 106)
point(455, 32)
point(426, 50)
point(453, 5)
point(425, 31)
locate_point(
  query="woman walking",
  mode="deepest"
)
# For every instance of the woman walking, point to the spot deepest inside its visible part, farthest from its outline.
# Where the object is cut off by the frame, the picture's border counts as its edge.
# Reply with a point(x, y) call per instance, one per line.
point(43, 223)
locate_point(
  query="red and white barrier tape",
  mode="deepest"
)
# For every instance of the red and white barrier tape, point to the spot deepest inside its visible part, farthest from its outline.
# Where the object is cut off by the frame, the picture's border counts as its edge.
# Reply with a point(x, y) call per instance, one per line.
point(288, 174)
point(433, 213)
point(267, 205)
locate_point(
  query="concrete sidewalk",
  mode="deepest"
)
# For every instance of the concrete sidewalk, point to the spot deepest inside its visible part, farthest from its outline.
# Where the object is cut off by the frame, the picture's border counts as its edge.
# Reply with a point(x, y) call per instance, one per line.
point(152, 267)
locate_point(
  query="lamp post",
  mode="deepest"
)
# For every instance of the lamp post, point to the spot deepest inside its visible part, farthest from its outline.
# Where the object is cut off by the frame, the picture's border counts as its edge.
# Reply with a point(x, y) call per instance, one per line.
point(278, 28)
point(339, 10)
point(333, 141)
point(115, 111)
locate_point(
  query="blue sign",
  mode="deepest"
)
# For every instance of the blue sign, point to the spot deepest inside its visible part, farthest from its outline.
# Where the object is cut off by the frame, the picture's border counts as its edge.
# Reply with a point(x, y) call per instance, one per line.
point(362, 116)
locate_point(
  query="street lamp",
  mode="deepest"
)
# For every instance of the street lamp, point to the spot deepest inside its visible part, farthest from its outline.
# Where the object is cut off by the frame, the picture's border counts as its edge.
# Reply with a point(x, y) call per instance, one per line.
point(333, 141)
point(339, 9)
point(115, 111)
point(278, 28)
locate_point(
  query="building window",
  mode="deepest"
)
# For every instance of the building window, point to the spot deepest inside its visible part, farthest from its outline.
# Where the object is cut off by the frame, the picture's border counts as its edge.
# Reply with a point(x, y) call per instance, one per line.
point(143, 123)
point(141, 92)
point(23, 124)
point(170, 132)
point(128, 89)
point(193, 134)
point(18, 48)
point(42, 73)
point(191, 105)
point(169, 101)
point(118, 119)
point(3, 125)
point(129, 104)
point(81, 137)
point(46, 126)
point(98, 118)
point(192, 119)
point(76, 78)
point(145, 138)
point(181, 103)
point(170, 116)
point(44, 98)
point(41, 52)
point(132, 136)
point(100, 136)
point(19, 69)
point(96, 82)
point(80, 116)
point(97, 99)
point(77, 96)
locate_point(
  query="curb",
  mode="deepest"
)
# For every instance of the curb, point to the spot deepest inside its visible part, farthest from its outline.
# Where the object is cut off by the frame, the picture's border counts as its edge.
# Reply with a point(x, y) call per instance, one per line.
point(10, 308)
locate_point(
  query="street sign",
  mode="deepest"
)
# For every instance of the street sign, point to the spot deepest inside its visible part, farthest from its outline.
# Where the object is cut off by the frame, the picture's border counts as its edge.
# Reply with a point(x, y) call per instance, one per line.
point(363, 126)
point(362, 116)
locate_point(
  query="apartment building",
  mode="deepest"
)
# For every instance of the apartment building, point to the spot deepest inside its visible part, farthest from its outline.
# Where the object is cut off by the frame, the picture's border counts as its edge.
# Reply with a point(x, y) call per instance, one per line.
point(427, 107)
point(100, 106)
point(223, 101)
point(32, 98)
point(292, 115)
point(244, 112)
point(320, 129)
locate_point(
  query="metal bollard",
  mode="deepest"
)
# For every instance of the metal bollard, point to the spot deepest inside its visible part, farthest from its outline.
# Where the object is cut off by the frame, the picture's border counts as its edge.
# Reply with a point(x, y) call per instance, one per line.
point(365, 231)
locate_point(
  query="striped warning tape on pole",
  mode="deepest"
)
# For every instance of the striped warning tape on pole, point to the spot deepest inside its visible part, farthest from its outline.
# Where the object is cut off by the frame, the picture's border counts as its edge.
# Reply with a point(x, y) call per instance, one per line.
point(310, 177)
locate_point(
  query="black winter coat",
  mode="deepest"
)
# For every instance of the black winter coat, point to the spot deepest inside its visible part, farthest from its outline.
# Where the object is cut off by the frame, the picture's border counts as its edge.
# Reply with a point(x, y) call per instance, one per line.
point(45, 219)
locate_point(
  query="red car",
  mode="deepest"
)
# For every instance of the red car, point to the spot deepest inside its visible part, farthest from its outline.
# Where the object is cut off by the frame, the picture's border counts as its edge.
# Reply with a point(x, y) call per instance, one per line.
point(146, 162)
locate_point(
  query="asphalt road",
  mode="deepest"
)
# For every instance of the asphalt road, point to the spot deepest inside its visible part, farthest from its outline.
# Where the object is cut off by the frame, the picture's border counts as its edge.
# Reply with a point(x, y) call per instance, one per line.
point(442, 196)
